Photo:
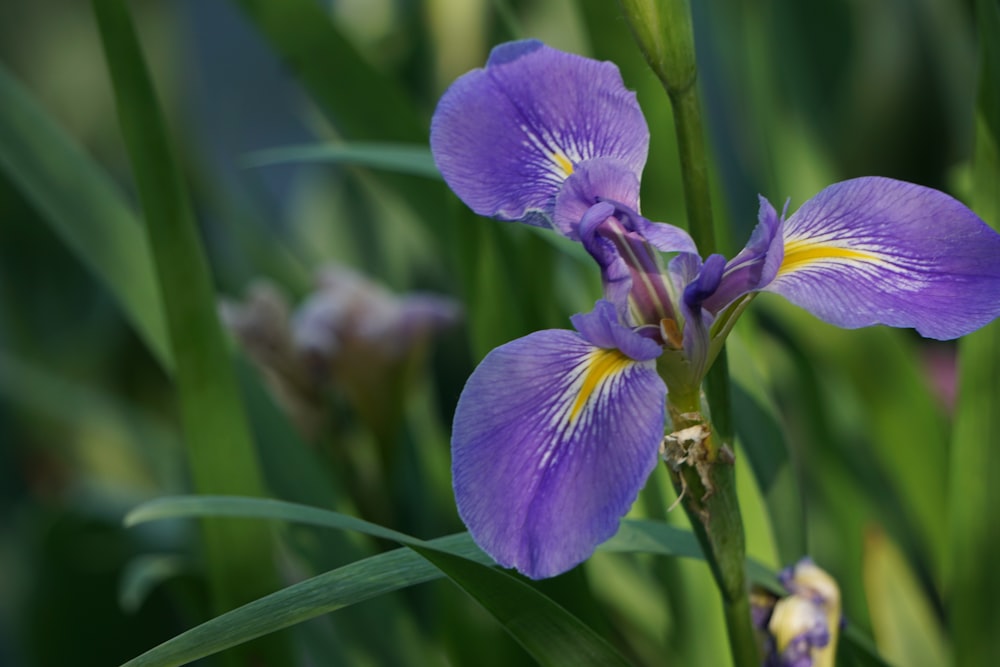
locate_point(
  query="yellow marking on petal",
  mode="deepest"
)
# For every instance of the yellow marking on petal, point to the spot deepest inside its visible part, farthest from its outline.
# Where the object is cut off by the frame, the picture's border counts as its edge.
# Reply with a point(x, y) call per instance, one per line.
point(603, 364)
point(563, 162)
point(799, 254)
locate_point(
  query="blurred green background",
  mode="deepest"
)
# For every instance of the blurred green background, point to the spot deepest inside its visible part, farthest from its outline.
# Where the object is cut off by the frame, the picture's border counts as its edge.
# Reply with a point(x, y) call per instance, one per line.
point(849, 431)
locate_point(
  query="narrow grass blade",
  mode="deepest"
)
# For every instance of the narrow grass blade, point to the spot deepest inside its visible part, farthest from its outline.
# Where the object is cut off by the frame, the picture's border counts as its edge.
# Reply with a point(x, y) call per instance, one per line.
point(635, 535)
point(770, 459)
point(220, 449)
point(550, 633)
point(83, 206)
point(384, 573)
point(325, 593)
point(412, 159)
point(334, 73)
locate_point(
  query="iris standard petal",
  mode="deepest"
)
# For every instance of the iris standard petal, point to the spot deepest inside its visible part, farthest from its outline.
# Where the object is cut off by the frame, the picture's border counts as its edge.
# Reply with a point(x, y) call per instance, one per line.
point(506, 137)
point(879, 251)
point(552, 440)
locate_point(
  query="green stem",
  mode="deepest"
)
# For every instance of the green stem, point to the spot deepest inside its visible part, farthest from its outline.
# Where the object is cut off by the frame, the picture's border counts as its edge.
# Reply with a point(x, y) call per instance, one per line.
point(700, 459)
point(701, 468)
point(694, 165)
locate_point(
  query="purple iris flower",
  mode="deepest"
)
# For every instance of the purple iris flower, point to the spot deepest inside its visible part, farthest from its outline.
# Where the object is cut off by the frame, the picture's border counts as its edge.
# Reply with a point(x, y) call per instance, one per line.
point(556, 432)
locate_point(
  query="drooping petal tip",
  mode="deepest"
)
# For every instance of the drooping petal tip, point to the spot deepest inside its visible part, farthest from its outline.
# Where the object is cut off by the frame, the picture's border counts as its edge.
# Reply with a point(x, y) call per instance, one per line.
point(879, 251)
point(552, 440)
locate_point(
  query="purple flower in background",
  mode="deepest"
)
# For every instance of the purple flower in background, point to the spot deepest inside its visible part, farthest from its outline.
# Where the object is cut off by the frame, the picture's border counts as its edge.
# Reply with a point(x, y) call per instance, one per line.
point(799, 629)
point(556, 432)
point(350, 334)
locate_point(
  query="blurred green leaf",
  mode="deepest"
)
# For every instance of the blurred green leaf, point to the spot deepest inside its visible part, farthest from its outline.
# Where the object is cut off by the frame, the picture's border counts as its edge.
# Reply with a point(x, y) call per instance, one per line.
point(84, 207)
point(654, 537)
point(974, 541)
point(905, 627)
point(145, 573)
point(220, 449)
point(857, 650)
point(763, 439)
point(363, 103)
point(874, 415)
point(988, 23)
point(402, 158)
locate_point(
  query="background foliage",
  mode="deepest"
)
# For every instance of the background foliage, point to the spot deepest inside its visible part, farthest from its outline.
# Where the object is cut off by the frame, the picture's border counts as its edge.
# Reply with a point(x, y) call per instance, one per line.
point(846, 436)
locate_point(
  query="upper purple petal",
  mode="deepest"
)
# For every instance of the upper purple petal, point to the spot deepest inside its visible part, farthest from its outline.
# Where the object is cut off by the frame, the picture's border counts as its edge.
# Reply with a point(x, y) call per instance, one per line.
point(879, 251)
point(552, 440)
point(506, 137)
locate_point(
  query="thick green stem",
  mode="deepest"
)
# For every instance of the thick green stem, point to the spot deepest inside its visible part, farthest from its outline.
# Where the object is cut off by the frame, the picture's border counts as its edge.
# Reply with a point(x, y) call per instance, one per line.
point(694, 165)
point(701, 468)
point(700, 460)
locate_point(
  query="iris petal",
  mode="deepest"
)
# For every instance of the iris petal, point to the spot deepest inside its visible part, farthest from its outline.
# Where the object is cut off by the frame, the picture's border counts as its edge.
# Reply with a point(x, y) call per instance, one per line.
point(506, 137)
point(879, 251)
point(552, 440)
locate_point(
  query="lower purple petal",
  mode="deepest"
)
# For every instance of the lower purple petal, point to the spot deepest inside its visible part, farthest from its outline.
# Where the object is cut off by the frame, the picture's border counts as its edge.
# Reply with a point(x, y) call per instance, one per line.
point(879, 251)
point(552, 440)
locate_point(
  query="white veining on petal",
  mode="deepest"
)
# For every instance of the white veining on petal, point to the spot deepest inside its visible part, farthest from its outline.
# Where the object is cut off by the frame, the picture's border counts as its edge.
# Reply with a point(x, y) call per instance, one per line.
point(557, 415)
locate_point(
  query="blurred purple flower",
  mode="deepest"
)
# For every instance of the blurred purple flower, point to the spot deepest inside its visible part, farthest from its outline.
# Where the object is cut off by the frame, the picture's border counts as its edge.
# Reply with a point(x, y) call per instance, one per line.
point(556, 432)
point(801, 628)
point(350, 334)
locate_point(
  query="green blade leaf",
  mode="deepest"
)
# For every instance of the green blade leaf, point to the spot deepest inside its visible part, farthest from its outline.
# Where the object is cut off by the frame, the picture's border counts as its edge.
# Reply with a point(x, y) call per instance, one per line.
point(547, 631)
point(764, 441)
point(86, 210)
point(384, 573)
point(220, 448)
point(333, 72)
point(325, 593)
point(174, 507)
point(634, 536)
point(401, 158)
